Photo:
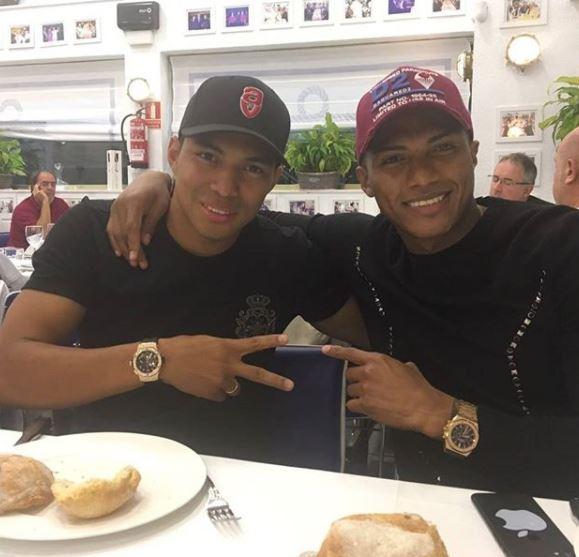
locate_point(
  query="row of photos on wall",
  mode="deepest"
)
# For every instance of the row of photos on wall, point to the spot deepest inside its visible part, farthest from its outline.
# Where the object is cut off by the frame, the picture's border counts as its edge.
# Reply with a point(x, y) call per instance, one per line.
point(52, 33)
point(301, 203)
point(246, 16)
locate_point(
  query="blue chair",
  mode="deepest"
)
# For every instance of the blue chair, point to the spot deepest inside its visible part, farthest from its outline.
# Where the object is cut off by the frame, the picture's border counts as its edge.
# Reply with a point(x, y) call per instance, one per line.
point(4, 237)
point(8, 300)
point(310, 419)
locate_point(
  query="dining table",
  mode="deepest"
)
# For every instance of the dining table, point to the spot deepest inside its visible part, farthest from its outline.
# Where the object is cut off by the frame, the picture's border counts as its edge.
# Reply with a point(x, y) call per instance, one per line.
point(23, 264)
point(284, 512)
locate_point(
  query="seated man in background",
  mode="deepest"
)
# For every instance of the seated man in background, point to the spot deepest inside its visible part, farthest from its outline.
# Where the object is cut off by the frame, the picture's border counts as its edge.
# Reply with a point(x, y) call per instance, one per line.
point(514, 179)
point(160, 348)
point(566, 176)
point(42, 208)
point(481, 295)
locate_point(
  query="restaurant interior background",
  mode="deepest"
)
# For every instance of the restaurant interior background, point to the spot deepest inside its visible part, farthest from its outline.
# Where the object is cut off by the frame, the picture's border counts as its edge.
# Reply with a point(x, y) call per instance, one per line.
point(65, 98)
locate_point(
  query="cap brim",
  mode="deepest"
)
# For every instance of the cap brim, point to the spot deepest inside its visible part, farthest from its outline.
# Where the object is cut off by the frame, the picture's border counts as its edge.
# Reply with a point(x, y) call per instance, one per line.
point(196, 130)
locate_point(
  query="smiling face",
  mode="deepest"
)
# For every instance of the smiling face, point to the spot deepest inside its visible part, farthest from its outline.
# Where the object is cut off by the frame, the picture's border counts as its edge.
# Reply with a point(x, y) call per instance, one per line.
point(420, 168)
point(221, 180)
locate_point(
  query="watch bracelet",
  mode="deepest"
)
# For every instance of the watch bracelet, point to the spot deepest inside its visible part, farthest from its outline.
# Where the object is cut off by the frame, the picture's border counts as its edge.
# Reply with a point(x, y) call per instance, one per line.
point(464, 409)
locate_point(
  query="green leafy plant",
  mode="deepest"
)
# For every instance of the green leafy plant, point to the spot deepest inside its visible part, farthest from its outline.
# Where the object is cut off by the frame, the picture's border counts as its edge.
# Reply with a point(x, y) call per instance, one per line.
point(324, 148)
point(11, 161)
point(567, 118)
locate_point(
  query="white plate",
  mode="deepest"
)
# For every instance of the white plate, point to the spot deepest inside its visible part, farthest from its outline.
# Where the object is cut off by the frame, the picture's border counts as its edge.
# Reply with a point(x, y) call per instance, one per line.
point(171, 475)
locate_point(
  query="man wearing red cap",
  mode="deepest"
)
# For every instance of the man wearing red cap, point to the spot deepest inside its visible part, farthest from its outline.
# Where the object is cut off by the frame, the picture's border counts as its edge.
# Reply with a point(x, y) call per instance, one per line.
point(471, 305)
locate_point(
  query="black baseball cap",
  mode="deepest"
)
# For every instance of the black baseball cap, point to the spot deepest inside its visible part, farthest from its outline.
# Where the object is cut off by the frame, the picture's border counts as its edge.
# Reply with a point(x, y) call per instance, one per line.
point(238, 103)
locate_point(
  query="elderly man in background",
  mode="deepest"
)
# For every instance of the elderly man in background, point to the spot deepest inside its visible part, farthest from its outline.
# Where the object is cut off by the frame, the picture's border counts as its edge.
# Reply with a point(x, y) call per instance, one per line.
point(42, 208)
point(566, 177)
point(514, 178)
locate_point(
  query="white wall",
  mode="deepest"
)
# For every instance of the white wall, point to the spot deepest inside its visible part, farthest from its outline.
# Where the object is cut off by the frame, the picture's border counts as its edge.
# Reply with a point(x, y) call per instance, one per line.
point(497, 84)
point(151, 61)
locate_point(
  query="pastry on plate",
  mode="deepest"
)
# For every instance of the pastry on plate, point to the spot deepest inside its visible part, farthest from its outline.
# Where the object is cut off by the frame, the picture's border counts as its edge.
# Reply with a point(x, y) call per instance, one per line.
point(96, 497)
point(24, 483)
point(382, 535)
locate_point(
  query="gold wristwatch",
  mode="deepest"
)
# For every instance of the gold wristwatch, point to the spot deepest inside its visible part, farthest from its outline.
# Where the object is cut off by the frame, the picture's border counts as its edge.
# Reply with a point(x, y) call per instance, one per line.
point(460, 434)
point(147, 360)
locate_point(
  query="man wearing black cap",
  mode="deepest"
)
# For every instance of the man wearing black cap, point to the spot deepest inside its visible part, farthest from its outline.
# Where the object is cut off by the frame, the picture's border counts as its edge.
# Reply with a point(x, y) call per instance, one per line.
point(471, 305)
point(223, 285)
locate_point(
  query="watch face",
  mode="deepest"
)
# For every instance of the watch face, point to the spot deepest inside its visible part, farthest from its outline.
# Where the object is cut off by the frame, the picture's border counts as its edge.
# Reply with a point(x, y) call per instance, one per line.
point(463, 436)
point(147, 361)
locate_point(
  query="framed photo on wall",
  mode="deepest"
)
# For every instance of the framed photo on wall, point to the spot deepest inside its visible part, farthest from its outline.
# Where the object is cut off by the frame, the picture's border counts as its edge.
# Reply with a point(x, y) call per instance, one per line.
point(237, 17)
point(298, 203)
point(524, 12)
point(276, 15)
point(7, 204)
point(20, 36)
point(358, 11)
point(332, 202)
point(316, 12)
point(200, 21)
point(397, 9)
point(518, 123)
point(269, 203)
point(347, 204)
point(534, 154)
point(445, 8)
point(52, 34)
point(87, 30)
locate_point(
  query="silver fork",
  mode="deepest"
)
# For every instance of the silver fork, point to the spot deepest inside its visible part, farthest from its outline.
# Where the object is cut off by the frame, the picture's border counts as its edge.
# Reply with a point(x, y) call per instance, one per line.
point(218, 509)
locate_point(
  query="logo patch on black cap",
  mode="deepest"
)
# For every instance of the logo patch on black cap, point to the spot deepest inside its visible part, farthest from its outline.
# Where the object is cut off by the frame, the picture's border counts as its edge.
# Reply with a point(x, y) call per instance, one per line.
point(251, 102)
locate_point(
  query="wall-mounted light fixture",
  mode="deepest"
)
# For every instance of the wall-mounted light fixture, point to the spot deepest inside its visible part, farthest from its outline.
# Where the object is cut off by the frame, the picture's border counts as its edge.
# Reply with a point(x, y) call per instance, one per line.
point(138, 89)
point(522, 50)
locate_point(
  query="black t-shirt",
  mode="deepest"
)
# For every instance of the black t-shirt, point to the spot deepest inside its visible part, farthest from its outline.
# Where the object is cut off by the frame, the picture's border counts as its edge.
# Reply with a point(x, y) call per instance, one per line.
point(270, 275)
point(494, 320)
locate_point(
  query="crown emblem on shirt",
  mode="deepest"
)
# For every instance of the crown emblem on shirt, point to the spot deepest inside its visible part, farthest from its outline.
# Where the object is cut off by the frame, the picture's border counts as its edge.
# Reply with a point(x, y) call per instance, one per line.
point(257, 319)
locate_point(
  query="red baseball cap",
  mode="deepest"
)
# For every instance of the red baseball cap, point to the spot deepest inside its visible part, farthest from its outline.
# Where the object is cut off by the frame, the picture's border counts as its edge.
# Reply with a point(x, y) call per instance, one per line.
point(406, 87)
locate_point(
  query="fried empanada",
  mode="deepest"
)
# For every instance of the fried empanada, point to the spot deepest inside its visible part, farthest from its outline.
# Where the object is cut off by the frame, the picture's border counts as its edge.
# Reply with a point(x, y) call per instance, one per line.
point(383, 535)
point(24, 483)
point(96, 497)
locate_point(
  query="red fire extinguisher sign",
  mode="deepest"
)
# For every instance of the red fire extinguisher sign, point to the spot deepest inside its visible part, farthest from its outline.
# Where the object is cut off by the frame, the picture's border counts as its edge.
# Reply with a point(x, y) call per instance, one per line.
point(138, 143)
point(153, 114)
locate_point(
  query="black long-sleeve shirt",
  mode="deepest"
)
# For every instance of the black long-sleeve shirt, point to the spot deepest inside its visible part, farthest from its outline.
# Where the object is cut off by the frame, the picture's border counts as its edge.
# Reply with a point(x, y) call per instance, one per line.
point(493, 319)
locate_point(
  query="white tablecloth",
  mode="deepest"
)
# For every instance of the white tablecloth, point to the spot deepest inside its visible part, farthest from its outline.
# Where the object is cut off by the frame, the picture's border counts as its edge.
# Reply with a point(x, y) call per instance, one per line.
point(24, 265)
point(287, 511)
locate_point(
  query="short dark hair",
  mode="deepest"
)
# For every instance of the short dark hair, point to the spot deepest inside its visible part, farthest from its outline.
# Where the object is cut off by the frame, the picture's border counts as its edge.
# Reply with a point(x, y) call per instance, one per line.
point(36, 175)
point(526, 163)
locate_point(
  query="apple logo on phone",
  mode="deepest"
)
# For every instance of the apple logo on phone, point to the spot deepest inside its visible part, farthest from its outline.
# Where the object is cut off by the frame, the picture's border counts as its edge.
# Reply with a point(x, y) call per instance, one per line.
point(521, 521)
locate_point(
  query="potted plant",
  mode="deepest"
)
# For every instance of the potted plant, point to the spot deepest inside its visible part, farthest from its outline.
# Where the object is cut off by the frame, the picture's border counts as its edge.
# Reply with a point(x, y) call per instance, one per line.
point(321, 156)
point(567, 118)
point(11, 161)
